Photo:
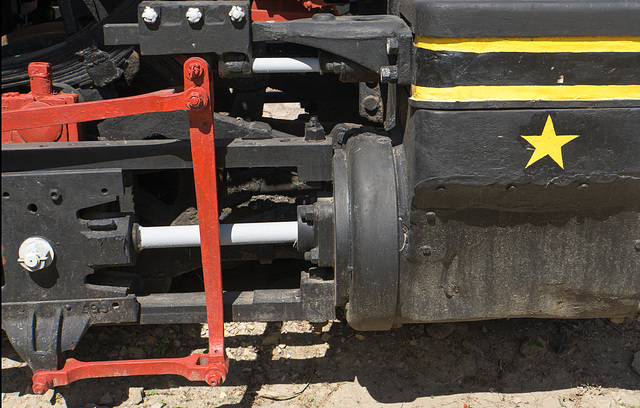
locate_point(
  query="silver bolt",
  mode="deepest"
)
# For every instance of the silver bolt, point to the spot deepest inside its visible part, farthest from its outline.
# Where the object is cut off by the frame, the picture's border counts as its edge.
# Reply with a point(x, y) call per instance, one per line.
point(388, 74)
point(237, 14)
point(193, 15)
point(149, 15)
point(392, 46)
point(35, 254)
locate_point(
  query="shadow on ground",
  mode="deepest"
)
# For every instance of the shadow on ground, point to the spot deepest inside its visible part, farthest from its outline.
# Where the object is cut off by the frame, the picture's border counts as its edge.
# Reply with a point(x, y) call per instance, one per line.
point(511, 356)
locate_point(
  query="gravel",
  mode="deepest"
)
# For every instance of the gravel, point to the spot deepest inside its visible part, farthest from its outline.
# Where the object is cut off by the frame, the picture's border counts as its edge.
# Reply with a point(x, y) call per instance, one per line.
point(501, 363)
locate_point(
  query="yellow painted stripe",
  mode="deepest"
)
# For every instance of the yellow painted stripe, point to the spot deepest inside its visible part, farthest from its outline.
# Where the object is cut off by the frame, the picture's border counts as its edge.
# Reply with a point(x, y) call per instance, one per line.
point(530, 44)
point(526, 93)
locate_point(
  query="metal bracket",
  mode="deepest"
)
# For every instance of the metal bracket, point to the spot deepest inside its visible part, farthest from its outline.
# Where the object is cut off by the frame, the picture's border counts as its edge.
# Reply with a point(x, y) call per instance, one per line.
point(172, 32)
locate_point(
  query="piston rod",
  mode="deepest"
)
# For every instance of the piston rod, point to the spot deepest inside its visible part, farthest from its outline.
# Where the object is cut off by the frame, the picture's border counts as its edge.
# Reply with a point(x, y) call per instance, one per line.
point(230, 234)
point(285, 65)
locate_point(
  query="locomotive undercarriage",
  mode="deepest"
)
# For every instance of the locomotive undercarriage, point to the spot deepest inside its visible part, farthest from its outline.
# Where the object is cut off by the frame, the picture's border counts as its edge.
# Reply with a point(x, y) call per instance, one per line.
point(400, 208)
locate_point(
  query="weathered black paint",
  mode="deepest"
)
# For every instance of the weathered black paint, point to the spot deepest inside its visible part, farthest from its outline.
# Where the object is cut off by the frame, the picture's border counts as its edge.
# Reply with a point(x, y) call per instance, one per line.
point(446, 68)
point(488, 238)
point(515, 18)
point(482, 148)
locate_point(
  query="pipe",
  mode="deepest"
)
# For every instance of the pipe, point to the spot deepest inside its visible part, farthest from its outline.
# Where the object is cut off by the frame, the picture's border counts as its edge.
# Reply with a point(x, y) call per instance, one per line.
point(230, 234)
point(285, 65)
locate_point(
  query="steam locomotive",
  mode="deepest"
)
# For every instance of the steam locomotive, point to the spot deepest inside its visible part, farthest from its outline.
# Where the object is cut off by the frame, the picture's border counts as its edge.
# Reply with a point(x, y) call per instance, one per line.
point(456, 160)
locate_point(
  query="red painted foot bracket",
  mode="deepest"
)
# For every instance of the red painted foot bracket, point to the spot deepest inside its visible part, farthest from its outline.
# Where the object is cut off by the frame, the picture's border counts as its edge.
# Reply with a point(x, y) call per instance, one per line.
point(197, 99)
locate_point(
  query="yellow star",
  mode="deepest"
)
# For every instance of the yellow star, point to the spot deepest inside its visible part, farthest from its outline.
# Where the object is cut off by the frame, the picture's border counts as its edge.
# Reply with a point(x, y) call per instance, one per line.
point(548, 144)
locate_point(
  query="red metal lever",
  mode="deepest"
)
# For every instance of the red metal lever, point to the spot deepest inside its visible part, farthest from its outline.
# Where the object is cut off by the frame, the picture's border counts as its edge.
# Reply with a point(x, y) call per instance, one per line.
point(198, 100)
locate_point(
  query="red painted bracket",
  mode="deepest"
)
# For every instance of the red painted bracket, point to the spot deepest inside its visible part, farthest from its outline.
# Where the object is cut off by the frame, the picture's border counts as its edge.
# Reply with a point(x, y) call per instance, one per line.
point(197, 99)
point(41, 95)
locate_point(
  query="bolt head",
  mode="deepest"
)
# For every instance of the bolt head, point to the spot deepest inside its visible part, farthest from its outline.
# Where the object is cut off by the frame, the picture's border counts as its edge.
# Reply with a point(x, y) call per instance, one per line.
point(35, 253)
point(197, 99)
point(426, 250)
point(370, 104)
point(39, 388)
point(149, 15)
point(194, 15)
point(195, 71)
point(236, 14)
point(392, 46)
point(388, 74)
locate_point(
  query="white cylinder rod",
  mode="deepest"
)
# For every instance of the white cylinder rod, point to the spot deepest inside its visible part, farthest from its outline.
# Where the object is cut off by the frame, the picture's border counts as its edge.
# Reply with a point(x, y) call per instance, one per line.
point(285, 65)
point(230, 234)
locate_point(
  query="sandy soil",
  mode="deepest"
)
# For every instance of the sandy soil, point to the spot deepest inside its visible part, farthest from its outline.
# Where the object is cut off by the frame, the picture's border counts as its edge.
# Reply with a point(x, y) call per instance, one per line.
point(502, 363)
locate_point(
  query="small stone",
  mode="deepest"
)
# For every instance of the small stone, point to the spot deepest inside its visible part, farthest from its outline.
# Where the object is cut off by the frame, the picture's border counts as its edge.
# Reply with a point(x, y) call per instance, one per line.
point(136, 395)
point(359, 336)
point(636, 362)
point(177, 343)
point(440, 330)
point(325, 337)
point(158, 405)
point(50, 396)
point(223, 394)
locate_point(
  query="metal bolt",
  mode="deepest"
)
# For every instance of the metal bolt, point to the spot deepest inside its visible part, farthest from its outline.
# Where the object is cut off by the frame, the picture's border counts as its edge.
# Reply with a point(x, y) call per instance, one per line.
point(194, 71)
point(392, 46)
point(68, 307)
point(636, 244)
point(431, 217)
point(195, 102)
point(42, 386)
point(197, 99)
point(426, 250)
point(149, 15)
point(237, 14)
point(193, 15)
point(313, 130)
point(388, 74)
point(583, 186)
point(35, 253)
point(370, 104)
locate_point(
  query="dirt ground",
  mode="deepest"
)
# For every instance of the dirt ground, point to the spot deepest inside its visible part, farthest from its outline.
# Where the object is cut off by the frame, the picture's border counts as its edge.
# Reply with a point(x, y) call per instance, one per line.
point(501, 363)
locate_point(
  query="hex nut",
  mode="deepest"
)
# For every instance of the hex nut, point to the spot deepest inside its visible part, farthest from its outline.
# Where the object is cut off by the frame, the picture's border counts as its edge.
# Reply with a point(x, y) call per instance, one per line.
point(149, 15)
point(194, 15)
point(237, 14)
